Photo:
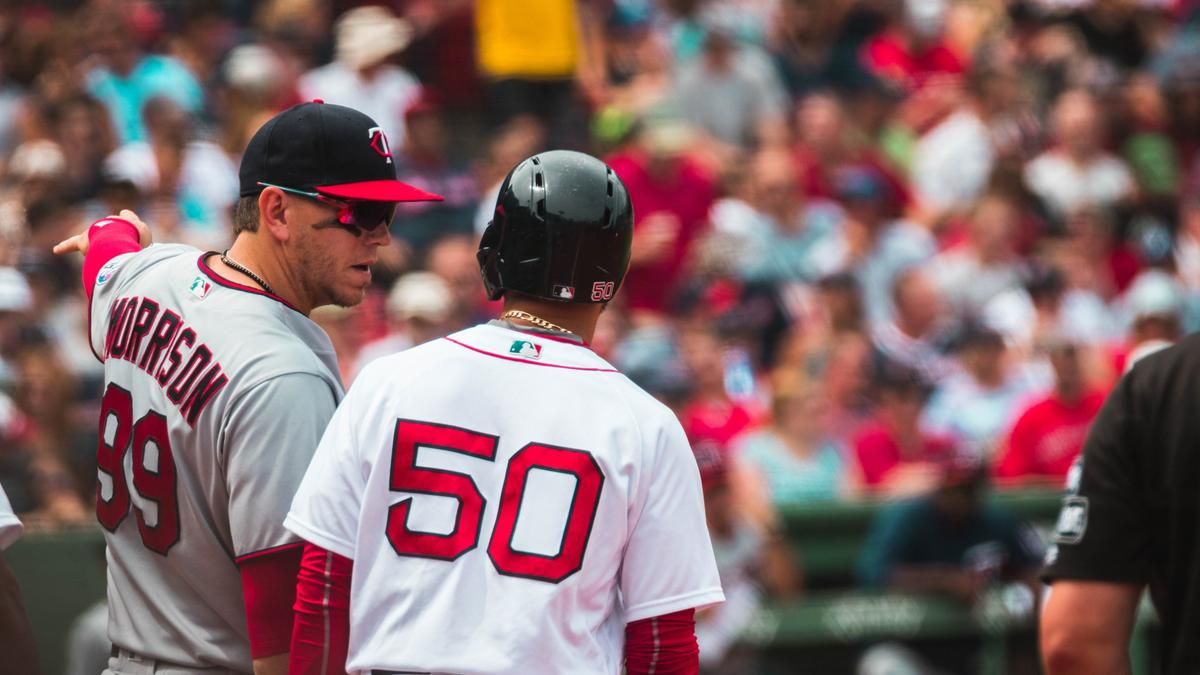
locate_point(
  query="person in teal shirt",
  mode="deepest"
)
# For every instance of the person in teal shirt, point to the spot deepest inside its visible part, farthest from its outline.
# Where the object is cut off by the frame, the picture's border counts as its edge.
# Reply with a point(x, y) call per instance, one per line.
point(951, 541)
point(126, 77)
point(792, 460)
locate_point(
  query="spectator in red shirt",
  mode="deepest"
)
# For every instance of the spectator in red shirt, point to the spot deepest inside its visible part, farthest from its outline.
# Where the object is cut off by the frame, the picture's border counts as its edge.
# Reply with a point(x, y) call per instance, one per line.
point(1049, 435)
point(827, 141)
point(894, 455)
point(711, 414)
point(672, 193)
point(913, 49)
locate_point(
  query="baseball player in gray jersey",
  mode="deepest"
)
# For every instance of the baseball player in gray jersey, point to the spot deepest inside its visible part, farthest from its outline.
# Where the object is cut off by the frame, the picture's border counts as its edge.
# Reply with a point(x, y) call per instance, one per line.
point(217, 390)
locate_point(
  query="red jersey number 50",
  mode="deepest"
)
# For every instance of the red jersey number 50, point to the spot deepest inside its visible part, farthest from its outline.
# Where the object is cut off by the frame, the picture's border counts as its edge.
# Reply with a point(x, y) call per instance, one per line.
point(406, 476)
point(156, 485)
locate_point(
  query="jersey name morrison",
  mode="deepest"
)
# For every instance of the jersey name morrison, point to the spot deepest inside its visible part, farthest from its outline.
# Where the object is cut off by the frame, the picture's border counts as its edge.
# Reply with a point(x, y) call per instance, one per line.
point(155, 340)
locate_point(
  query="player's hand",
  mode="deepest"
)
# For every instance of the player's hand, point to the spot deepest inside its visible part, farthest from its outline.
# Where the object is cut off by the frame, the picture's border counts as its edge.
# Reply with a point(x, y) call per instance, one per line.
point(79, 242)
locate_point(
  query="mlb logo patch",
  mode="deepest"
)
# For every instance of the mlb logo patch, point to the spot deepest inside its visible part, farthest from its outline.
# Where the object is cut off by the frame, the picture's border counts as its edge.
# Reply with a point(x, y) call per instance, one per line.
point(526, 348)
point(106, 272)
point(200, 287)
point(564, 292)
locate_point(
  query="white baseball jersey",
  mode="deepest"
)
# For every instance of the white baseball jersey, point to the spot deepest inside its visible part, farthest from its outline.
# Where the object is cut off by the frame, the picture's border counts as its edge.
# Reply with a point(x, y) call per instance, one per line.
point(10, 527)
point(216, 395)
point(510, 501)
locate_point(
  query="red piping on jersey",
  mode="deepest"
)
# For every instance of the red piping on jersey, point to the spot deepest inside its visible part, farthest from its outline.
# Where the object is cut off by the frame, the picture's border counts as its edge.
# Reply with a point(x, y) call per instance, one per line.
point(91, 346)
point(222, 281)
point(267, 551)
point(529, 362)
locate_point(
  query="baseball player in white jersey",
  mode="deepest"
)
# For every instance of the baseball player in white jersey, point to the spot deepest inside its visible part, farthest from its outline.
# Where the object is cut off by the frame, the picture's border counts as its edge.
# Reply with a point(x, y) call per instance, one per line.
point(16, 637)
point(218, 387)
point(503, 500)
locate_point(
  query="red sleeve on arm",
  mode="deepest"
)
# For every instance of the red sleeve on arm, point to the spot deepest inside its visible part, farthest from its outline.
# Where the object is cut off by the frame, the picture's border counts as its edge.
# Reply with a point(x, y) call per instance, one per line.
point(107, 239)
point(322, 611)
point(268, 590)
point(663, 645)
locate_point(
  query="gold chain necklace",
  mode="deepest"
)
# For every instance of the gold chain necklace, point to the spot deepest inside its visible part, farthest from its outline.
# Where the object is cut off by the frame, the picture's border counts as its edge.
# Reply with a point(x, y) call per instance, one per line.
point(535, 320)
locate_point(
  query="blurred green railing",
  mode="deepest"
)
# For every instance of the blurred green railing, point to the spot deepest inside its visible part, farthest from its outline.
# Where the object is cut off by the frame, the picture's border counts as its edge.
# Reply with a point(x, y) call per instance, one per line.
point(827, 538)
point(62, 574)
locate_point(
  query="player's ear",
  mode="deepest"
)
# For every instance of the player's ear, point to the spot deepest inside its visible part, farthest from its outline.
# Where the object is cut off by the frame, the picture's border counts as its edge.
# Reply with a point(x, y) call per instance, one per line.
point(272, 213)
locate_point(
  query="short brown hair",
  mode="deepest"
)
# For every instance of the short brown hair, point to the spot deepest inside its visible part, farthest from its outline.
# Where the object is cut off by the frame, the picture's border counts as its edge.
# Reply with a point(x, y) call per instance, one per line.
point(245, 215)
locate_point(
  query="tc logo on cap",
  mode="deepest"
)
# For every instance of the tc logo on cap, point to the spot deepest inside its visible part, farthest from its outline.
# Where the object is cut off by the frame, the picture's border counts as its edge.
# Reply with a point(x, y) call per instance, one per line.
point(379, 143)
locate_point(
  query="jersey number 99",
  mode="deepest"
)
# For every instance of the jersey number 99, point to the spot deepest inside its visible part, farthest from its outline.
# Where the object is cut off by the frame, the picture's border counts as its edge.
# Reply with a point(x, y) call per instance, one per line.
point(157, 486)
point(406, 476)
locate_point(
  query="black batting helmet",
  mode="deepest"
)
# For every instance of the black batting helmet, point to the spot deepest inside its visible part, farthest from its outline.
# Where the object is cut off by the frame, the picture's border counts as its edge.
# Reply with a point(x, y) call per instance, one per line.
point(561, 230)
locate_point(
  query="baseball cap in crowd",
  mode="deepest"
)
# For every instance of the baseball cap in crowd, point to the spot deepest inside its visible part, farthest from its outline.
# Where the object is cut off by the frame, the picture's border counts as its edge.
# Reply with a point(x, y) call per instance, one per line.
point(15, 294)
point(254, 69)
point(421, 295)
point(1154, 293)
point(666, 133)
point(327, 149)
point(40, 159)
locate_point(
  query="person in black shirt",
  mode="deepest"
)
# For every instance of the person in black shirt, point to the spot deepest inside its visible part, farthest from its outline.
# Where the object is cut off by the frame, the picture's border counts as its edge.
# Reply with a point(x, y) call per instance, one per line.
point(1129, 519)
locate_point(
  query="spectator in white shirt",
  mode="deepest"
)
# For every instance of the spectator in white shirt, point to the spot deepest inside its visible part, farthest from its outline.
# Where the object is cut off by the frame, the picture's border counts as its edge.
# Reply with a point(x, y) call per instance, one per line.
point(1077, 172)
point(986, 265)
point(361, 75)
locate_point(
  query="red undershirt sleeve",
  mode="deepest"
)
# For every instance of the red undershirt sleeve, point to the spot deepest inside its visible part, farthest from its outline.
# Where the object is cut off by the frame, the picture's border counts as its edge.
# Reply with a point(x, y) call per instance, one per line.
point(107, 239)
point(321, 636)
point(268, 591)
point(663, 645)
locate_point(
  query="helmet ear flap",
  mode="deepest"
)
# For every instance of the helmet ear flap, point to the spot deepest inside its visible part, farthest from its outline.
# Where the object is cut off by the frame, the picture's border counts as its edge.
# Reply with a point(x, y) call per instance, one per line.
point(488, 257)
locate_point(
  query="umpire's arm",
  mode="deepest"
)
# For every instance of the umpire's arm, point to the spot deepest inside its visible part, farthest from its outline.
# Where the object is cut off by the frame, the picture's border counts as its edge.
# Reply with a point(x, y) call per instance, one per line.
point(1086, 627)
point(1100, 560)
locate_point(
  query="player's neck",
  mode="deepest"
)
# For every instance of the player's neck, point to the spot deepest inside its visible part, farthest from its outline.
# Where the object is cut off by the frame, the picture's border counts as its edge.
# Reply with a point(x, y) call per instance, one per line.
point(268, 268)
point(579, 319)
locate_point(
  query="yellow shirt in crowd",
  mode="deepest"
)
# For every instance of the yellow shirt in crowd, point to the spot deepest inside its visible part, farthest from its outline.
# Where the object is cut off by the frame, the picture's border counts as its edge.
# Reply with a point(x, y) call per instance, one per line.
point(527, 39)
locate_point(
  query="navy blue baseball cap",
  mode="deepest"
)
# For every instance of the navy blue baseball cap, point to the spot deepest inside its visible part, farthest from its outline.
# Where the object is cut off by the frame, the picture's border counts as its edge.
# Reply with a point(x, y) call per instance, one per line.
point(329, 149)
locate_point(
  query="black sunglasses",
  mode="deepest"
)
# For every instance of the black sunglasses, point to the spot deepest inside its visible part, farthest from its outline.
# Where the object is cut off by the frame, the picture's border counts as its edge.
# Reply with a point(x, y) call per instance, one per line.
point(356, 217)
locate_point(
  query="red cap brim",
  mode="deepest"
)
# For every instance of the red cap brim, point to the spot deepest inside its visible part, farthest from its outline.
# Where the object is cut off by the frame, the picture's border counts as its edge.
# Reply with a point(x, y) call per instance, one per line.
point(378, 191)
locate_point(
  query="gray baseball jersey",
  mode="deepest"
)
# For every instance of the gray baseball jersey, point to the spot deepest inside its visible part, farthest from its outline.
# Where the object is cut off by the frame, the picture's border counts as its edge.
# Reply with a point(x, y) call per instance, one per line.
point(216, 395)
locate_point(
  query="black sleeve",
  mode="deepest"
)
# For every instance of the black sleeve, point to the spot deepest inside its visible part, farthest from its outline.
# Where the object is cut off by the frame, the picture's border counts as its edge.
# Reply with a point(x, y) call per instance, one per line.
point(1102, 532)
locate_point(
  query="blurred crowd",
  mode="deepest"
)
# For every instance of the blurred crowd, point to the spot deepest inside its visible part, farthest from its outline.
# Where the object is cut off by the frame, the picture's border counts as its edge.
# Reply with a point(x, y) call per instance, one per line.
point(883, 248)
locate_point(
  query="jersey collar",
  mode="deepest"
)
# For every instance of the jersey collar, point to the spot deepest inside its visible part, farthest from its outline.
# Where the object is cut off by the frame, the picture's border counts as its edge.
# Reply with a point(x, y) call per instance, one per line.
point(208, 271)
point(557, 336)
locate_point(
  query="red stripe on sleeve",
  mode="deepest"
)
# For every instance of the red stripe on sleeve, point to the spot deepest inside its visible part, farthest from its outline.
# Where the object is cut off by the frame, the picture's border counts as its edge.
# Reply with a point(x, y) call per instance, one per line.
point(268, 590)
point(663, 645)
point(321, 636)
point(107, 239)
